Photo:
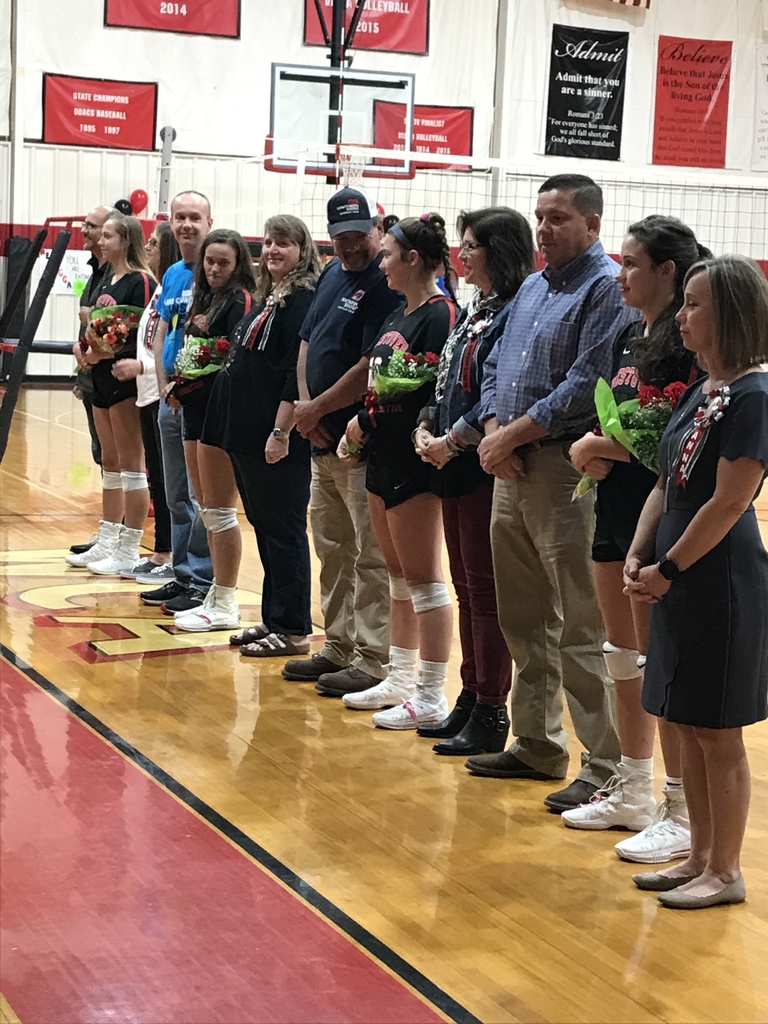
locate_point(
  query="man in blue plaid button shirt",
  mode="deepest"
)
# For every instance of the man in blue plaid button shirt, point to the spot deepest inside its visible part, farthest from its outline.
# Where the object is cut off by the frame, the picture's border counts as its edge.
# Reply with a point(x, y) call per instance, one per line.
point(537, 398)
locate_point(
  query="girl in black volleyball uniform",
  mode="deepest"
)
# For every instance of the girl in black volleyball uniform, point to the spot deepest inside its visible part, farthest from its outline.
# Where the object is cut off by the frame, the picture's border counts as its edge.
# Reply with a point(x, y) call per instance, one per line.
point(224, 286)
point(656, 255)
point(406, 515)
point(125, 496)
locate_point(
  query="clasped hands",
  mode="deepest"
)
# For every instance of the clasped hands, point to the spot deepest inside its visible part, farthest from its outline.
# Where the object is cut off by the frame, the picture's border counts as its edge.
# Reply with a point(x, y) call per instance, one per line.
point(498, 456)
point(644, 583)
point(431, 449)
point(307, 416)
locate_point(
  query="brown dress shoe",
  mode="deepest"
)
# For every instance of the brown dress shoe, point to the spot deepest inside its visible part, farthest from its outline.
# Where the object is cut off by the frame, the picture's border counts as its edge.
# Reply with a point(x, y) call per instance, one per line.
point(504, 766)
point(579, 792)
point(308, 670)
point(345, 680)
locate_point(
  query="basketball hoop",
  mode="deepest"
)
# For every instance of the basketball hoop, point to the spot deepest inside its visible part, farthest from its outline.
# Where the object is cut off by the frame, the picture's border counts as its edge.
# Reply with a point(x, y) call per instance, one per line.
point(352, 164)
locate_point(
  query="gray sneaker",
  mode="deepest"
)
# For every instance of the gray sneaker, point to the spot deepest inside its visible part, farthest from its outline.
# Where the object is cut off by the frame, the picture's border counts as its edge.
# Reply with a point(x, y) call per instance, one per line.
point(157, 575)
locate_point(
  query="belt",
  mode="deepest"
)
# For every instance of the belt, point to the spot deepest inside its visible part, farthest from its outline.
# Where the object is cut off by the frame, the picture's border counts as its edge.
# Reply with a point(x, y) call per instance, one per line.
point(549, 442)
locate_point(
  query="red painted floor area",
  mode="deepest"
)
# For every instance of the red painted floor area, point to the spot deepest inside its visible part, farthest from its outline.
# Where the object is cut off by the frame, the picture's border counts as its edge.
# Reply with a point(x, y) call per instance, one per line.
point(120, 905)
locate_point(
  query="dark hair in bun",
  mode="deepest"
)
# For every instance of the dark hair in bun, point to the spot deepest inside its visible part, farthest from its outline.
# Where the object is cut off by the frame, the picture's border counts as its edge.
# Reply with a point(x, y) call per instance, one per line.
point(426, 234)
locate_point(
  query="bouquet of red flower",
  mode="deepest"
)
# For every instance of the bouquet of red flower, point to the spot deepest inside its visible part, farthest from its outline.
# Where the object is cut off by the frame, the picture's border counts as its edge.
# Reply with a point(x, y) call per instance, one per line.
point(402, 373)
point(636, 424)
point(200, 356)
point(110, 327)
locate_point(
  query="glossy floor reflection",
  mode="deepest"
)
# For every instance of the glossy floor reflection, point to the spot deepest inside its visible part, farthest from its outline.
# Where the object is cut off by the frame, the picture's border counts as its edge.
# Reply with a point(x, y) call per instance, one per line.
point(470, 881)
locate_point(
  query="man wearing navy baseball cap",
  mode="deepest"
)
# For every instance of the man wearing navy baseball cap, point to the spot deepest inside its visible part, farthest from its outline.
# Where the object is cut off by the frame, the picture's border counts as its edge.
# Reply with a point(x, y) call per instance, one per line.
point(351, 303)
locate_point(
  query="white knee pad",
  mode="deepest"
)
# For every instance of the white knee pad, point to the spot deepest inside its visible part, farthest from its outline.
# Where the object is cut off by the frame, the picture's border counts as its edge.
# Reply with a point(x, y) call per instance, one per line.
point(219, 520)
point(621, 662)
point(111, 481)
point(133, 481)
point(427, 596)
point(399, 589)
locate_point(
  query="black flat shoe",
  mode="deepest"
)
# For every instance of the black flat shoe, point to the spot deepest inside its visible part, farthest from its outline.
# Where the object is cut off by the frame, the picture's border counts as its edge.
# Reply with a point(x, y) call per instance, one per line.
point(485, 733)
point(454, 723)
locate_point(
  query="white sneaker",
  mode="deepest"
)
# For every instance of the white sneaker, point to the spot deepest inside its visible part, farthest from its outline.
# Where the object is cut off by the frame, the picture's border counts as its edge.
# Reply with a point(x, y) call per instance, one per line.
point(106, 542)
point(386, 694)
point(625, 801)
point(124, 556)
point(666, 838)
point(412, 713)
point(213, 614)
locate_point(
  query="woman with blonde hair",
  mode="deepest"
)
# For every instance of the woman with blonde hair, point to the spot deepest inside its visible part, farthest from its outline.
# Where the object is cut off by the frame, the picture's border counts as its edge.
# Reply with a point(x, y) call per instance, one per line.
point(125, 495)
point(250, 416)
point(697, 557)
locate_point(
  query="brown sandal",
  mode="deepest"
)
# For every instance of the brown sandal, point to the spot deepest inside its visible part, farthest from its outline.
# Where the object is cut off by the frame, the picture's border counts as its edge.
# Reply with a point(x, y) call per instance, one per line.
point(275, 645)
point(249, 635)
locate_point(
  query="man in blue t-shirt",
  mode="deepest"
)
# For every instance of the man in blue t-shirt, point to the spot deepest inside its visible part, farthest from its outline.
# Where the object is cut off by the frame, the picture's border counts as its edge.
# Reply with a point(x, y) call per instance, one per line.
point(351, 303)
point(190, 221)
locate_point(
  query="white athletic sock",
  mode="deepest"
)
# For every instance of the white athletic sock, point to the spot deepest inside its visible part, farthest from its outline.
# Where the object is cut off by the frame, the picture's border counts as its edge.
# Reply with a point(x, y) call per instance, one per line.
point(432, 677)
point(643, 765)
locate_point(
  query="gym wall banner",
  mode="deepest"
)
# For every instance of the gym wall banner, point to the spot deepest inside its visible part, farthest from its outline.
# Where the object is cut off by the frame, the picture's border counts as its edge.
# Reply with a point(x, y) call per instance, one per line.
point(435, 130)
point(99, 112)
point(196, 17)
point(587, 81)
point(397, 26)
point(759, 160)
point(693, 80)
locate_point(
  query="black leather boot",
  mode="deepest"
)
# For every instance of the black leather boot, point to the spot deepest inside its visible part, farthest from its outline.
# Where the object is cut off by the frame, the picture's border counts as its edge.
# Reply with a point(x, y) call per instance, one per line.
point(455, 722)
point(485, 733)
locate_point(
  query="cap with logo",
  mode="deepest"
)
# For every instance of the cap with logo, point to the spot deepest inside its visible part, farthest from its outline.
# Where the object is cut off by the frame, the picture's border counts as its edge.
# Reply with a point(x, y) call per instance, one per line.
point(350, 209)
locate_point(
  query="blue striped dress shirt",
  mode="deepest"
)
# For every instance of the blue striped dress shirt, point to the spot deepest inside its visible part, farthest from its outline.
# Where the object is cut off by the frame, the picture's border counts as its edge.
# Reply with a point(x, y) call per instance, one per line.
point(557, 343)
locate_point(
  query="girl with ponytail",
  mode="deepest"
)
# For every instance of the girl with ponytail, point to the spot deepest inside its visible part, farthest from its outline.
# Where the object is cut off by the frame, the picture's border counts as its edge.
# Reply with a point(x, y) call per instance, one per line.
point(406, 515)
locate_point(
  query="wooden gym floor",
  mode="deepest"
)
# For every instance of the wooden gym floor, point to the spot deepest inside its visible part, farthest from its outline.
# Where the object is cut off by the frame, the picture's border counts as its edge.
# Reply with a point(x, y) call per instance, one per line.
point(188, 837)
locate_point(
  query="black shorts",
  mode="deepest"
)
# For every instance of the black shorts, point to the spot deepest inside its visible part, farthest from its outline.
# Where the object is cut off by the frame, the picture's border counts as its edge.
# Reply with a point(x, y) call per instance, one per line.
point(395, 473)
point(108, 390)
point(620, 500)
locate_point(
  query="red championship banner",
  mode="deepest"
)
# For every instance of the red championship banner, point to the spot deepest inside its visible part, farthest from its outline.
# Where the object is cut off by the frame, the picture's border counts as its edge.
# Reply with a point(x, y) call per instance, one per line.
point(398, 26)
point(99, 112)
point(693, 79)
point(436, 130)
point(198, 17)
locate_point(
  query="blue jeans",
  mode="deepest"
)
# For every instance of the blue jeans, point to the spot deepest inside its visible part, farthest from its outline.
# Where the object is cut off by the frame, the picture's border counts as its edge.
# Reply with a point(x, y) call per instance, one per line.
point(189, 541)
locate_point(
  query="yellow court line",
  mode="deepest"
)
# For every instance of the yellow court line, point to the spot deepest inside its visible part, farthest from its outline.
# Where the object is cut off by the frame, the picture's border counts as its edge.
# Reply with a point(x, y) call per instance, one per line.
point(7, 1016)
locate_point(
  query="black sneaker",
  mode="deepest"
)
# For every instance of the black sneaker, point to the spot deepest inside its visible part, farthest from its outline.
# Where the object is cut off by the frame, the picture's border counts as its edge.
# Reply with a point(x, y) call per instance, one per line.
point(165, 593)
point(189, 598)
point(79, 549)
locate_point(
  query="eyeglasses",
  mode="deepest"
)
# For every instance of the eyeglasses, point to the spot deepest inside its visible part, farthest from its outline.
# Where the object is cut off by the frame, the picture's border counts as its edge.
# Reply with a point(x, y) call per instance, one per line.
point(152, 243)
point(470, 246)
point(88, 225)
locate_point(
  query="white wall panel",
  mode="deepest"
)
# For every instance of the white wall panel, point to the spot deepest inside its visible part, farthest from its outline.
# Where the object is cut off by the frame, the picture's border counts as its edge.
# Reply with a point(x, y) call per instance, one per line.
point(5, 65)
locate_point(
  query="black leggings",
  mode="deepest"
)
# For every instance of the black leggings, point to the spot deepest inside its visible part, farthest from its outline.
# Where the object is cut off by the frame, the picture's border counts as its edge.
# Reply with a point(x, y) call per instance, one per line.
point(150, 435)
point(275, 498)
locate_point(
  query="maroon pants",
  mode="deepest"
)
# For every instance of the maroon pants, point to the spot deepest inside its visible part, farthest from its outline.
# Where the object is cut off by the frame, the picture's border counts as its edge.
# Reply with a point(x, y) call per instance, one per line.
point(486, 666)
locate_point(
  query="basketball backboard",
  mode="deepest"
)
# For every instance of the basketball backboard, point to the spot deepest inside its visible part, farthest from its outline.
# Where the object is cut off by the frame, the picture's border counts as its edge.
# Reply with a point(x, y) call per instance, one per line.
point(316, 110)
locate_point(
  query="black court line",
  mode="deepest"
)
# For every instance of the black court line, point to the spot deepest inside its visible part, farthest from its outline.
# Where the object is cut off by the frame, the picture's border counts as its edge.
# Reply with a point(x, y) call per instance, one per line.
point(378, 949)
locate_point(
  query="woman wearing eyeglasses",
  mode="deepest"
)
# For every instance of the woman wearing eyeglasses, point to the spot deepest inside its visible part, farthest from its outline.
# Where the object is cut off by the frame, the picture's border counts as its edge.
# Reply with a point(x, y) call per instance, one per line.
point(497, 254)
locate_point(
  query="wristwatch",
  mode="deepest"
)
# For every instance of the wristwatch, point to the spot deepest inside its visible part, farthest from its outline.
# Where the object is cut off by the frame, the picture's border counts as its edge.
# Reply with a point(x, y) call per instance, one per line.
point(668, 569)
point(281, 435)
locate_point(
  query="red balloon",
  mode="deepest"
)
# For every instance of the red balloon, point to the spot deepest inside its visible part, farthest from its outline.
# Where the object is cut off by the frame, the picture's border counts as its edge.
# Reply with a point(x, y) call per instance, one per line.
point(138, 199)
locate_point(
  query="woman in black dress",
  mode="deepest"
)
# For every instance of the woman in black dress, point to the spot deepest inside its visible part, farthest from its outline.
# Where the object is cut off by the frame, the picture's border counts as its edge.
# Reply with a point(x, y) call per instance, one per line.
point(250, 416)
point(497, 253)
point(222, 295)
point(125, 496)
point(405, 513)
point(708, 578)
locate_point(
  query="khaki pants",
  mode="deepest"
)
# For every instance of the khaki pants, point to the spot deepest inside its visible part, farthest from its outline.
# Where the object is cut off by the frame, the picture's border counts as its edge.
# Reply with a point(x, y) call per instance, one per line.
point(354, 582)
point(550, 618)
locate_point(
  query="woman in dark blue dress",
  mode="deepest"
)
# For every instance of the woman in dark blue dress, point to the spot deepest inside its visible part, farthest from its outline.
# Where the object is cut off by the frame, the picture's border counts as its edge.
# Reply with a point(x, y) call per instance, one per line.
point(698, 557)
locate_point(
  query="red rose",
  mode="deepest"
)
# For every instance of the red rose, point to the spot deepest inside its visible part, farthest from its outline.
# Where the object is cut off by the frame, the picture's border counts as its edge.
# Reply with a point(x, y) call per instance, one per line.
point(111, 339)
point(408, 357)
point(132, 318)
point(203, 356)
point(431, 358)
point(222, 347)
point(649, 393)
point(674, 392)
